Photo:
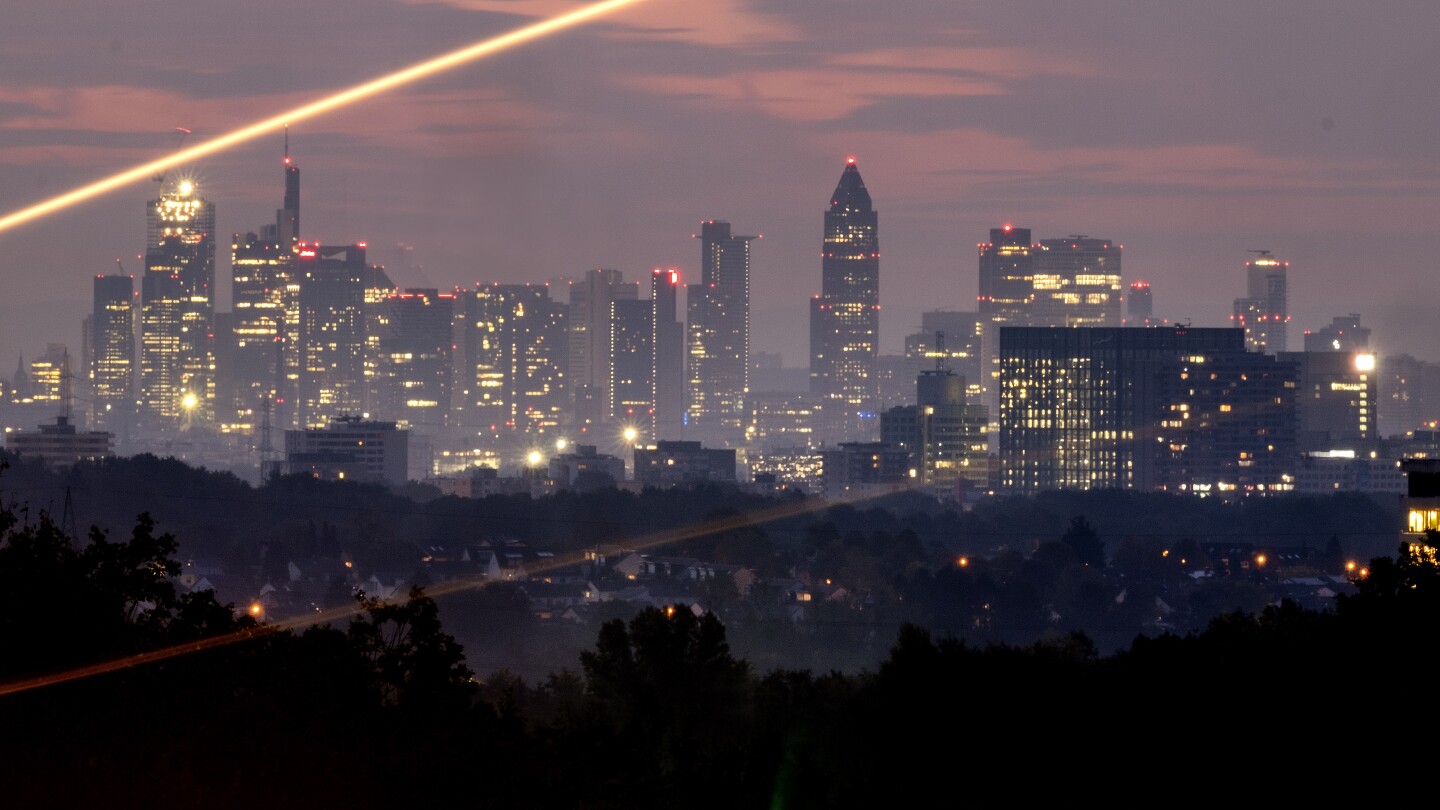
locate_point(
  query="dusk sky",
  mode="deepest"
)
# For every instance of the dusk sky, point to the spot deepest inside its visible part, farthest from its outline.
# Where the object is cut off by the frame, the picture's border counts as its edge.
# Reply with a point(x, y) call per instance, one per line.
point(1188, 132)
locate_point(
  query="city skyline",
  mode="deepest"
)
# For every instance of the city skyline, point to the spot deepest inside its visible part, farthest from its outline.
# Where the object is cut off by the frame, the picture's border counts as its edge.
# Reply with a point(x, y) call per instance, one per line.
point(1059, 120)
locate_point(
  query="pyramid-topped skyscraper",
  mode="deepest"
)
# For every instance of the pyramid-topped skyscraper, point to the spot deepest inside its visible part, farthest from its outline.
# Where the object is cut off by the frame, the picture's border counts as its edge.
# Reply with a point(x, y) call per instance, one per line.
point(845, 316)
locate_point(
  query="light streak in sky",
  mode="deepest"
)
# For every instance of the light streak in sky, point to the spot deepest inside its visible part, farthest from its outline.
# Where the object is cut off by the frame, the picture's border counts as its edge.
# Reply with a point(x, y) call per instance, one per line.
point(327, 104)
point(786, 510)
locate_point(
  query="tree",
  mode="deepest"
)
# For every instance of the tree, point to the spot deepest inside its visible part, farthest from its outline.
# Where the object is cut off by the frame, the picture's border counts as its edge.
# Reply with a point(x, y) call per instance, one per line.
point(416, 663)
point(1082, 537)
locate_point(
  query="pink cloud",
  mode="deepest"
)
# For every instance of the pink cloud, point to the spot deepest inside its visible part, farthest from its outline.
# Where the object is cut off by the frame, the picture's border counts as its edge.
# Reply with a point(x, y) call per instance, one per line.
point(811, 94)
point(712, 22)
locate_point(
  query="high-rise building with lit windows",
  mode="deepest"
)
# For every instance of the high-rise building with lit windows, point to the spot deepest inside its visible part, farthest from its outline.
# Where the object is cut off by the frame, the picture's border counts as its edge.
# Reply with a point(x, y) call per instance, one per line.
point(1076, 282)
point(1339, 396)
point(413, 371)
point(1099, 408)
point(1263, 313)
point(331, 332)
point(177, 356)
point(1006, 290)
point(589, 315)
point(265, 313)
point(112, 350)
point(516, 354)
point(718, 340)
point(845, 316)
point(632, 362)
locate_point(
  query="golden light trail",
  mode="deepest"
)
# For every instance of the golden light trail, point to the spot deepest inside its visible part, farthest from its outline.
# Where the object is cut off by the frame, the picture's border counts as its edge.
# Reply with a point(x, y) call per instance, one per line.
point(322, 617)
point(343, 98)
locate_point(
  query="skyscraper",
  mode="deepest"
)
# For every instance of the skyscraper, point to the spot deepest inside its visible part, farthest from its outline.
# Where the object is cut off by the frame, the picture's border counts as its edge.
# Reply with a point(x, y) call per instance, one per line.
point(177, 358)
point(516, 353)
point(1140, 306)
point(589, 340)
point(413, 369)
point(1263, 312)
point(1089, 408)
point(265, 305)
point(331, 333)
point(668, 339)
point(112, 350)
point(845, 316)
point(1076, 282)
point(1006, 285)
point(632, 362)
point(718, 310)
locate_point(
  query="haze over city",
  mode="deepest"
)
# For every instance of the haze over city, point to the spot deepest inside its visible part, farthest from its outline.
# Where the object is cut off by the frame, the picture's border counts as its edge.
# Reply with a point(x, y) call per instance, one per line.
point(1189, 134)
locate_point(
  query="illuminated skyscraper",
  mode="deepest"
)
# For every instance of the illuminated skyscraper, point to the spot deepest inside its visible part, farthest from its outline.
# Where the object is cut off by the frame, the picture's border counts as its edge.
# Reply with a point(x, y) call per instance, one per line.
point(516, 352)
point(331, 333)
point(668, 339)
point(1263, 312)
point(265, 304)
point(112, 350)
point(1120, 408)
point(177, 357)
point(413, 371)
point(1076, 282)
point(845, 316)
point(589, 341)
point(632, 358)
point(1006, 286)
point(718, 315)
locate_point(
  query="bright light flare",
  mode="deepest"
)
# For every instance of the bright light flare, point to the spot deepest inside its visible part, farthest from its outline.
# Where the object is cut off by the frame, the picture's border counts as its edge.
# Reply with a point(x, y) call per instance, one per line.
point(344, 98)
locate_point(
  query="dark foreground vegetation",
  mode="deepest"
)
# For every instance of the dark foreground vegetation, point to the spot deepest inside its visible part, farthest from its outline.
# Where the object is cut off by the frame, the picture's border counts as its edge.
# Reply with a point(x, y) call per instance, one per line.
point(382, 710)
point(825, 587)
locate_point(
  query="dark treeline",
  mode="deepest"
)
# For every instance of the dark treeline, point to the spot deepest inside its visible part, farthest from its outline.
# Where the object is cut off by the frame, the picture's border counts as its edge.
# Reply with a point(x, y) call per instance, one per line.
point(659, 712)
point(1031, 574)
point(216, 514)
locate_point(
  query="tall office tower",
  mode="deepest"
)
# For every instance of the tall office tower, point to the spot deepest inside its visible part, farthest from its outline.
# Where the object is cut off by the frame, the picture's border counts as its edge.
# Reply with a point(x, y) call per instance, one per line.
point(589, 340)
point(1344, 334)
point(1006, 287)
point(112, 351)
point(948, 340)
point(632, 362)
point(1410, 389)
point(1140, 306)
point(718, 315)
point(845, 316)
point(265, 307)
point(1338, 400)
point(1263, 312)
point(1227, 426)
point(516, 353)
point(331, 334)
point(1076, 282)
point(377, 291)
point(177, 310)
point(1080, 408)
point(668, 338)
point(261, 272)
point(48, 375)
point(951, 435)
point(413, 371)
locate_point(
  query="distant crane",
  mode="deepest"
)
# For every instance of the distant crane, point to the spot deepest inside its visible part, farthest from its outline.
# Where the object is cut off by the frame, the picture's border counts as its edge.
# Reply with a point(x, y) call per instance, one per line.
point(1264, 254)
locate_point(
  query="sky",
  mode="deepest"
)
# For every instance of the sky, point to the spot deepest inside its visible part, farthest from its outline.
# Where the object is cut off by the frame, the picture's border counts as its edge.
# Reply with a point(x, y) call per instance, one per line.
point(1188, 132)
